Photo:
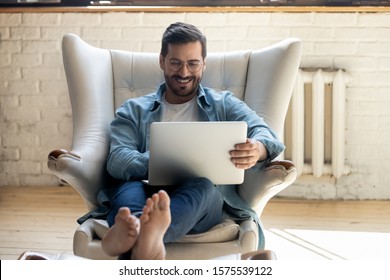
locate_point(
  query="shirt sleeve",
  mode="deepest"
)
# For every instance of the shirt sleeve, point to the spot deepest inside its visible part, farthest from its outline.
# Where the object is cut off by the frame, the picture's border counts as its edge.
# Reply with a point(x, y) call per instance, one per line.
point(127, 159)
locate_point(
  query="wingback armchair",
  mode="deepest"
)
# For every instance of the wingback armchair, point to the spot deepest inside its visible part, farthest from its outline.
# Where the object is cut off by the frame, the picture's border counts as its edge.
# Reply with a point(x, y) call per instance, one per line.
point(99, 80)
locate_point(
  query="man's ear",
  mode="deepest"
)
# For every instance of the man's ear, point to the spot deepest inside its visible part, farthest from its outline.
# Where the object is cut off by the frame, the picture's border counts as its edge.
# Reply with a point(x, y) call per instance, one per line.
point(161, 60)
point(204, 64)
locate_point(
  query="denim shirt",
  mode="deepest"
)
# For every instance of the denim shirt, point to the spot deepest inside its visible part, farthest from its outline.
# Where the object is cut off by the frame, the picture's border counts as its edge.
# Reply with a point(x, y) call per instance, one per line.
point(129, 150)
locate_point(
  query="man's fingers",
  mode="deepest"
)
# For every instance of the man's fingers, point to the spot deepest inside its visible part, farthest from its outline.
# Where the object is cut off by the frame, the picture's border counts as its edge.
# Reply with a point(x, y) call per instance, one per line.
point(248, 145)
point(245, 154)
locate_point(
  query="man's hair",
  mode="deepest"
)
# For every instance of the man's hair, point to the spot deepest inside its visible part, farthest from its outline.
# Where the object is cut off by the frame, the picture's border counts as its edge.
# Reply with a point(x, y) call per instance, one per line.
point(182, 33)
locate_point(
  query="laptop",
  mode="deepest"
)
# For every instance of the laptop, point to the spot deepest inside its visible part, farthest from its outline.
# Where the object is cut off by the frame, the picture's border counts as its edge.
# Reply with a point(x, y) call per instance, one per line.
point(181, 150)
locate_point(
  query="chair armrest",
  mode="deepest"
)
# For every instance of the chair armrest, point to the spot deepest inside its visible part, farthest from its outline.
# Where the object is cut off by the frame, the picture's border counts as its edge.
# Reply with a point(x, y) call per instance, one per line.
point(85, 174)
point(260, 186)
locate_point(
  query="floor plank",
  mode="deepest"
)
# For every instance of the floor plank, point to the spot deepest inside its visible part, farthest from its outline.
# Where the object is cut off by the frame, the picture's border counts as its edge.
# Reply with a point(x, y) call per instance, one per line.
point(41, 218)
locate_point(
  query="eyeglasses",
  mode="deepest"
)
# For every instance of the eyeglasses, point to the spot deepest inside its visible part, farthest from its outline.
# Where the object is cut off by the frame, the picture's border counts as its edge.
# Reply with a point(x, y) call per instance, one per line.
point(192, 65)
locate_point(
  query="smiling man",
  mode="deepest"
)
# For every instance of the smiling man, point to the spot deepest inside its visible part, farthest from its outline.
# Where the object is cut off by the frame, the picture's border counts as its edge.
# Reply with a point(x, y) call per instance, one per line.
point(195, 205)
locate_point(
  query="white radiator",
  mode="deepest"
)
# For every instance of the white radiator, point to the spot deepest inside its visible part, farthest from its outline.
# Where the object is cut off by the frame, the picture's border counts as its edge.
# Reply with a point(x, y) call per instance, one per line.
point(315, 124)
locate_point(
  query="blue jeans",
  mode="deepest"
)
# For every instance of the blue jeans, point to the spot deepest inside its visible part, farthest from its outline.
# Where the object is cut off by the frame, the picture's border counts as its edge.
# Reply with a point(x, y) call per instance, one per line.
point(196, 205)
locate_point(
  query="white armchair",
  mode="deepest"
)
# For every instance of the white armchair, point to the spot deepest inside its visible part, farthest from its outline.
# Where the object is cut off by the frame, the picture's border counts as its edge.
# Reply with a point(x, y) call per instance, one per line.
point(99, 80)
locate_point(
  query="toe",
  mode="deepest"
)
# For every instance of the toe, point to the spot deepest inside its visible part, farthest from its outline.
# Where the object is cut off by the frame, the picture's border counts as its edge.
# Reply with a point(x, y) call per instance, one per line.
point(164, 200)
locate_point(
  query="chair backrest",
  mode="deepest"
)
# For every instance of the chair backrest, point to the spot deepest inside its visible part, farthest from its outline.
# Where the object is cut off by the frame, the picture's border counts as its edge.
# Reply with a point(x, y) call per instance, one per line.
point(100, 80)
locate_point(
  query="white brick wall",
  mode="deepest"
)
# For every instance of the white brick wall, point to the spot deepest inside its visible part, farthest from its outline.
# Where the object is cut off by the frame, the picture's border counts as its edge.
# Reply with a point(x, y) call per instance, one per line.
point(35, 114)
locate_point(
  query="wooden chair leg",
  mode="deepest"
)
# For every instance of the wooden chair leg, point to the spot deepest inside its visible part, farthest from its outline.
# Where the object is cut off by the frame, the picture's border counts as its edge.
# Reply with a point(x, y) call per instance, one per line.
point(259, 255)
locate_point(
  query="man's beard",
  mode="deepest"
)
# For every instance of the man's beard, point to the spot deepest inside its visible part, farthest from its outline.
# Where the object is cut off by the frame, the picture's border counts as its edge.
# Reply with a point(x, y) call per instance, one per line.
point(185, 91)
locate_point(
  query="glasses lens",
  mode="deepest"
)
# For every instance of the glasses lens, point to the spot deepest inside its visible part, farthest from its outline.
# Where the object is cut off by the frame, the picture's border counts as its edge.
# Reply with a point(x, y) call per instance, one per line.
point(175, 65)
point(194, 66)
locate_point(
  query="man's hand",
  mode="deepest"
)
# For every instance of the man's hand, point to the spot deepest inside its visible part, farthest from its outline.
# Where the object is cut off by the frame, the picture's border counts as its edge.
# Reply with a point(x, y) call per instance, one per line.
point(245, 155)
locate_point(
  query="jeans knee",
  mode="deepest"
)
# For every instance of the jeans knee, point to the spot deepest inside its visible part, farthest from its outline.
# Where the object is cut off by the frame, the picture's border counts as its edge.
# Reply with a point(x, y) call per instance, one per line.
point(200, 183)
point(199, 189)
point(206, 190)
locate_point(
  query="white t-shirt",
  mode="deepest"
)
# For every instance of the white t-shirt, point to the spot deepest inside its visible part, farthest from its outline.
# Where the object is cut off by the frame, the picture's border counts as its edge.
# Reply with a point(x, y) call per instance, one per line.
point(185, 112)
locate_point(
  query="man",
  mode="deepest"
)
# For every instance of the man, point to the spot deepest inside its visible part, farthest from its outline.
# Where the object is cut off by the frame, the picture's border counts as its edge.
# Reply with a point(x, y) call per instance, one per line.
point(196, 204)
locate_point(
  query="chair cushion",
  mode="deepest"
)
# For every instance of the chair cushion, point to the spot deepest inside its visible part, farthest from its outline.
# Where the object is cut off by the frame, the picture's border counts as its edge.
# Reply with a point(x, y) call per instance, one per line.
point(227, 230)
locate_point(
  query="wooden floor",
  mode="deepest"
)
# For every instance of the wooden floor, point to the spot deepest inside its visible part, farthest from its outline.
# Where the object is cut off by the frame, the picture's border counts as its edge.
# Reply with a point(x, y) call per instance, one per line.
point(44, 219)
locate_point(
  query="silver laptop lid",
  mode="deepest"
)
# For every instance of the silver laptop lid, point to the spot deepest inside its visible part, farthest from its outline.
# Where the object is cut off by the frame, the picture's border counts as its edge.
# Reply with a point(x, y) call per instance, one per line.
point(179, 150)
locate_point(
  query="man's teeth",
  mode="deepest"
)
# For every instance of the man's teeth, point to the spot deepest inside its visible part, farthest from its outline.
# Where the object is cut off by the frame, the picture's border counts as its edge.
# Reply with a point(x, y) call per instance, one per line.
point(183, 80)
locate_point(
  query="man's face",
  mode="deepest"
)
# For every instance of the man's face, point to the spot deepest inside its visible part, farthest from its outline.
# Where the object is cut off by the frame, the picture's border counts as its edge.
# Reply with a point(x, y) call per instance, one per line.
point(182, 82)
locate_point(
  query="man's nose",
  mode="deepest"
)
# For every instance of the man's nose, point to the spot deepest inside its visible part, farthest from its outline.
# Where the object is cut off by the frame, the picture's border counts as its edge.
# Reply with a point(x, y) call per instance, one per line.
point(184, 70)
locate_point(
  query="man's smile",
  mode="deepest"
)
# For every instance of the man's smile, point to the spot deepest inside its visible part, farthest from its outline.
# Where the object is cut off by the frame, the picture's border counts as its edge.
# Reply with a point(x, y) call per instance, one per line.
point(183, 80)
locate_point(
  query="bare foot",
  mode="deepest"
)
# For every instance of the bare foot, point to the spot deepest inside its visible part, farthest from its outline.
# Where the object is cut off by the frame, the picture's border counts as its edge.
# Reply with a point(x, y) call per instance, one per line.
point(122, 236)
point(155, 220)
